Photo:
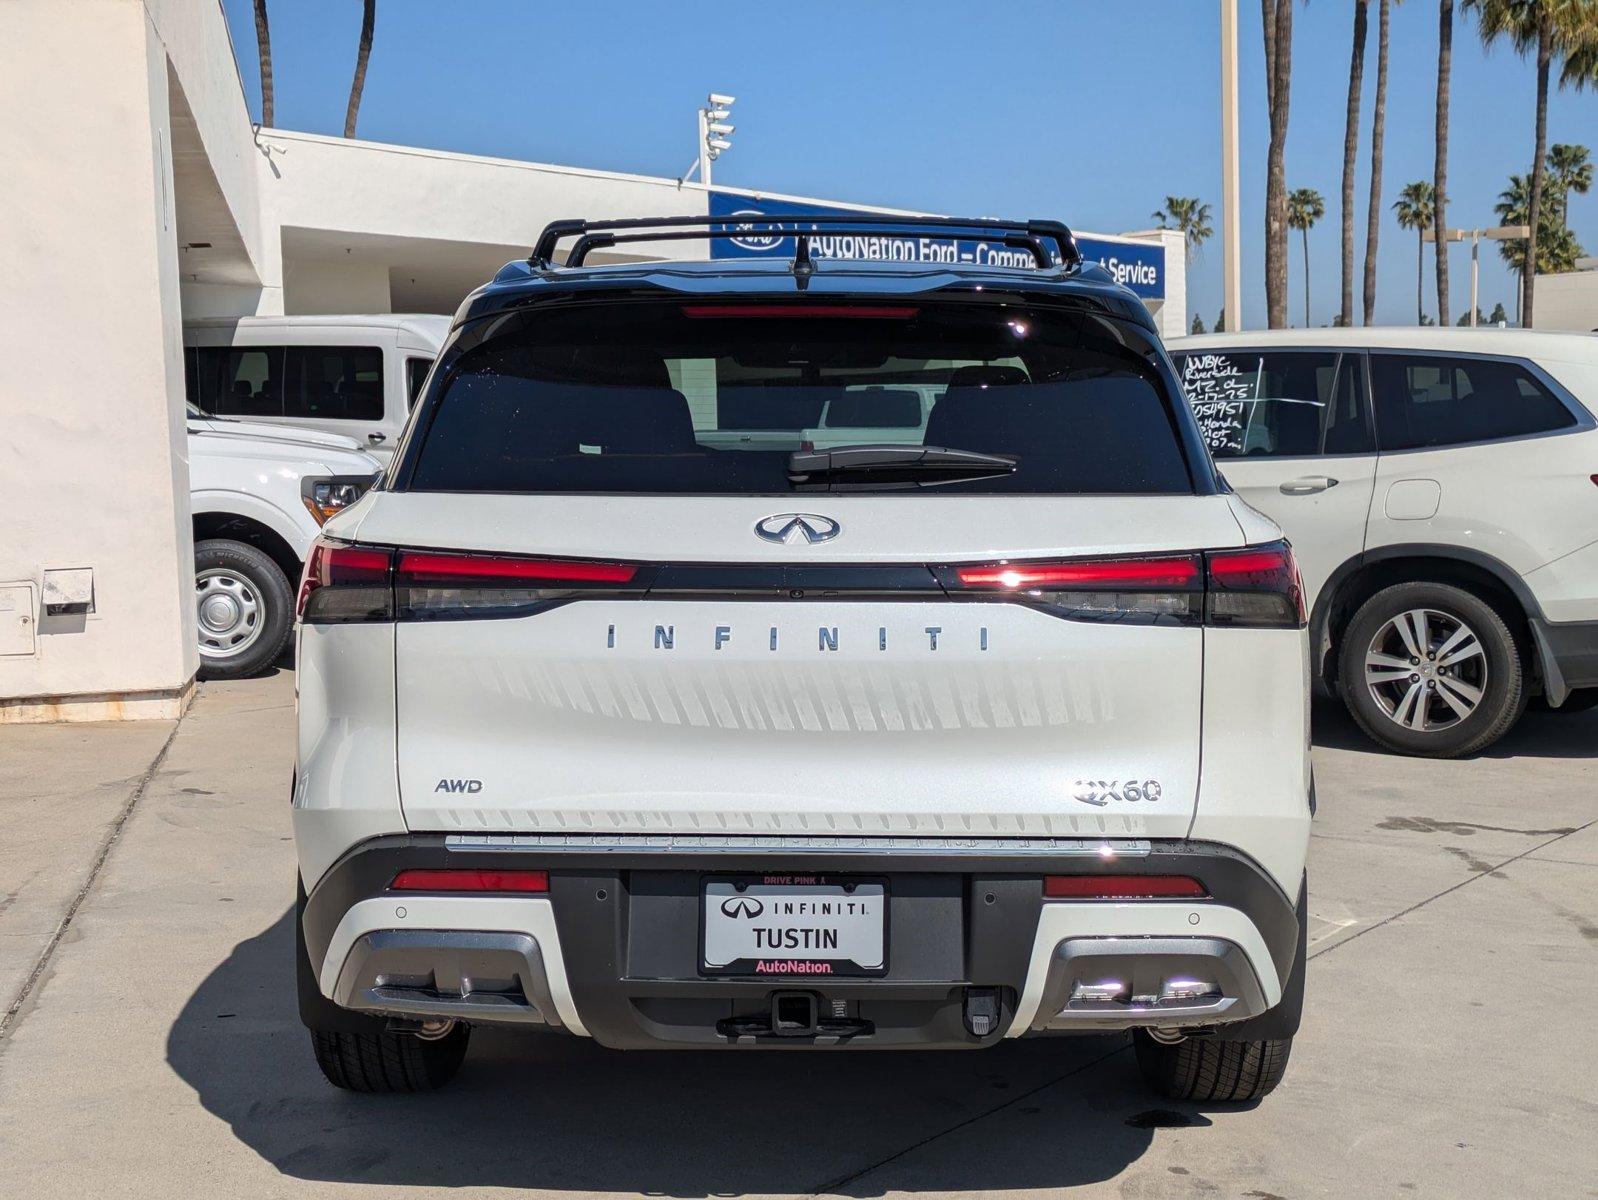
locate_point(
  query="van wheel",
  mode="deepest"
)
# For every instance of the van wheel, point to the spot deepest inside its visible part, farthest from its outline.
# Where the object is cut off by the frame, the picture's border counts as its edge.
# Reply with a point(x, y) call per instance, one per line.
point(1208, 1071)
point(1430, 669)
point(389, 1062)
point(245, 608)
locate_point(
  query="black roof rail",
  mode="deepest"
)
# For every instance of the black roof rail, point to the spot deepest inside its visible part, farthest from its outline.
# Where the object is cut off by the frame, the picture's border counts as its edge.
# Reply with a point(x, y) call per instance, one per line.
point(594, 235)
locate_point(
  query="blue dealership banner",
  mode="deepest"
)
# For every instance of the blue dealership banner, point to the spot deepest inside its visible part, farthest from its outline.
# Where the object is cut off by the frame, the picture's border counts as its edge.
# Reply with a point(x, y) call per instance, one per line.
point(1138, 266)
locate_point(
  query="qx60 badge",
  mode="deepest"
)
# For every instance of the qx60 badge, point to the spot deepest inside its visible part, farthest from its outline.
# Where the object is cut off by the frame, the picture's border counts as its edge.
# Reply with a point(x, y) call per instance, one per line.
point(794, 527)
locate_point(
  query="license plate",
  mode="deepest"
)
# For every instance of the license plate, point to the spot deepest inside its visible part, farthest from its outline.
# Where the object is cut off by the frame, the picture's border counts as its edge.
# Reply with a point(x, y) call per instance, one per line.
point(794, 925)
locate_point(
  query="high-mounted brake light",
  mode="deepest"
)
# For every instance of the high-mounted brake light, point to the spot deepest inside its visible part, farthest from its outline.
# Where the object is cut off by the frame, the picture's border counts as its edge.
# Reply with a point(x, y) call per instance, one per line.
point(1122, 887)
point(882, 312)
point(469, 880)
point(465, 570)
point(344, 583)
point(1110, 573)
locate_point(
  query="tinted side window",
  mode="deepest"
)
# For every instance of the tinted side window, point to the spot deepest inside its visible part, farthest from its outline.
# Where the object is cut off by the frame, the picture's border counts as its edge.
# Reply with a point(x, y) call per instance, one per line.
point(239, 381)
point(1438, 400)
point(416, 370)
point(1277, 404)
point(335, 383)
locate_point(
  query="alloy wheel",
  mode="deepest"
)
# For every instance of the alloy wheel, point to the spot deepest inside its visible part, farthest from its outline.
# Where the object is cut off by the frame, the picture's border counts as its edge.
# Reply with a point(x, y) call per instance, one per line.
point(1426, 669)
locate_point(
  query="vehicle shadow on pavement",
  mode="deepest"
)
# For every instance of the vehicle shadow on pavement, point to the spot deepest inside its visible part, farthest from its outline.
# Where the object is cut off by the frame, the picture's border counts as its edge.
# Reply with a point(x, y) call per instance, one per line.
point(549, 1111)
point(1538, 734)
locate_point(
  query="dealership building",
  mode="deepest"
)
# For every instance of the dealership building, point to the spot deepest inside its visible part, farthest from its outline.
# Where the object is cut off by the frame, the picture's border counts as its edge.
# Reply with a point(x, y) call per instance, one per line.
point(139, 195)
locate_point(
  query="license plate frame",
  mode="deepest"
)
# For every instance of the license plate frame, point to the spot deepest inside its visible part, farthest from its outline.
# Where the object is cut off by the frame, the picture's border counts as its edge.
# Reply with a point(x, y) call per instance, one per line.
point(782, 965)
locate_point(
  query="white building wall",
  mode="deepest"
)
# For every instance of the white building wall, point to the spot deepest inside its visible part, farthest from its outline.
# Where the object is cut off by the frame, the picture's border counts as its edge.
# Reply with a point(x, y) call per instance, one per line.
point(1567, 301)
point(329, 285)
point(93, 467)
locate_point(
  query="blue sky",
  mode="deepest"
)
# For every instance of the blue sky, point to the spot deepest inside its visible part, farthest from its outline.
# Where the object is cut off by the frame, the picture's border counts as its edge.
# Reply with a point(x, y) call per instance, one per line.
point(1087, 111)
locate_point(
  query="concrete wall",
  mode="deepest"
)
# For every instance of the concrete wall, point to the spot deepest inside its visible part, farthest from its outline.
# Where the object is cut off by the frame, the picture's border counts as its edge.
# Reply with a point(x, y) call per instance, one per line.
point(331, 285)
point(1567, 301)
point(93, 466)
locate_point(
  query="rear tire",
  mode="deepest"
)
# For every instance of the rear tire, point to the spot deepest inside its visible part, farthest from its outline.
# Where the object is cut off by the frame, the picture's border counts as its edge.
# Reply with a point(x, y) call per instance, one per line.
point(1208, 1071)
point(1467, 690)
point(246, 608)
point(389, 1062)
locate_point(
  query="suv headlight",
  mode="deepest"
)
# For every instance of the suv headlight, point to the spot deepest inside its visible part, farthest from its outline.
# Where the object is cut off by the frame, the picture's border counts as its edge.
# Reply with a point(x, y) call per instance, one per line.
point(325, 495)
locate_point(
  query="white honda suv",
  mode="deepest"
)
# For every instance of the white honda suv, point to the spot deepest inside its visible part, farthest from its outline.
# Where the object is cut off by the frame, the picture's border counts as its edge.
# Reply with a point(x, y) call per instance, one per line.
point(1438, 488)
point(625, 711)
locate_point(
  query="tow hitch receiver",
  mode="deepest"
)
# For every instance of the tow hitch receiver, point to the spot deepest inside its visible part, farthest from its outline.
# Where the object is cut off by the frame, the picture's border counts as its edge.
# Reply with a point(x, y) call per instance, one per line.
point(796, 1015)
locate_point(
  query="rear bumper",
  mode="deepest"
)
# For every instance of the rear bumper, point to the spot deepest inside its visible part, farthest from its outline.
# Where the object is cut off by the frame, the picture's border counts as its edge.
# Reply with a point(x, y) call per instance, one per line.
point(975, 951)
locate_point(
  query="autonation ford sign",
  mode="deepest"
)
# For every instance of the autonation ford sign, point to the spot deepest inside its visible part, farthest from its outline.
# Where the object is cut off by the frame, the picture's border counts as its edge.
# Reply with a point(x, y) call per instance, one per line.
point(1139, 266)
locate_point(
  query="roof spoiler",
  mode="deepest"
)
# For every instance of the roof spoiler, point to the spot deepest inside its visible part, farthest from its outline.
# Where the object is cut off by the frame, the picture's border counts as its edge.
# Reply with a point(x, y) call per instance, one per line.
point(1034, 236)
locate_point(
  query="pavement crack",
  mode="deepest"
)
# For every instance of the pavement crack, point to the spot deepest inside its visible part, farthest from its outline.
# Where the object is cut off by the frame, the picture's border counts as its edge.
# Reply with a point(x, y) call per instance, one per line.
point(1476, 874)
point(842, 1181)
point(10, 1020)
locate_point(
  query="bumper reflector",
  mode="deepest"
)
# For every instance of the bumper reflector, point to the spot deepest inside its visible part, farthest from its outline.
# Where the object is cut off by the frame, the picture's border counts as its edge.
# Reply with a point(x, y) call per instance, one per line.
point(452, 880)
point(1121, 887)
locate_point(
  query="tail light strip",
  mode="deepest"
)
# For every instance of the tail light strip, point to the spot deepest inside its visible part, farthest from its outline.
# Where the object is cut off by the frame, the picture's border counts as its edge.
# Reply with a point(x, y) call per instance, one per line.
point(1257, 587)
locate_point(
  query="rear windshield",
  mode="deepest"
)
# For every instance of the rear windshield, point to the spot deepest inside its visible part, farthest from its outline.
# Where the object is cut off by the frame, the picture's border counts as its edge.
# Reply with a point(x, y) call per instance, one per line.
point(717, 398)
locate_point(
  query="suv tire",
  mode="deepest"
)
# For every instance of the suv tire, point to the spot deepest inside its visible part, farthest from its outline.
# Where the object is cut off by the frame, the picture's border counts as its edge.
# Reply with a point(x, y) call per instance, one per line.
point(1208, 1071)
point(389, 1062)
point(246, 608)
point(1455, 703)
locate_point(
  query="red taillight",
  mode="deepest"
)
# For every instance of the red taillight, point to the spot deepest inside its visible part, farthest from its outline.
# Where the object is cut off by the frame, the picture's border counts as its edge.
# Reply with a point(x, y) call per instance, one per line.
point(843, 311)
point(344, 583)
point(1256, 586)
point(1122, 887)
point(1259, 586)
point(467, 570)
point(469, 880)
point(1108, 574)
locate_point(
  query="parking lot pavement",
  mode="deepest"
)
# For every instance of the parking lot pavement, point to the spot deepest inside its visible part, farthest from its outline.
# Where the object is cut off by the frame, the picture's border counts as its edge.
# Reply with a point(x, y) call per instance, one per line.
point(1448, 1046)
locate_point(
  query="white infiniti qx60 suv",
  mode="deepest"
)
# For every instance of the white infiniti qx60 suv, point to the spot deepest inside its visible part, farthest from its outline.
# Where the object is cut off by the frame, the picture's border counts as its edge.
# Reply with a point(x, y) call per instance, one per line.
point(626, 712)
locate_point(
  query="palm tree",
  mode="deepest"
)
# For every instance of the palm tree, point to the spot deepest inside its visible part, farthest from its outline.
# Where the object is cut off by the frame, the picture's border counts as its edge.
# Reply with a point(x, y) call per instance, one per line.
point(1373, 216)
point(1445, 64)
point(358, 85)
point(263, 48)
point(1191, 216)
point(1278, 22)
point(1546, 29)
point(1305, 206)
point(1356, 80)
point(1570, 170)
point(1415, 211)
point(1555, 246)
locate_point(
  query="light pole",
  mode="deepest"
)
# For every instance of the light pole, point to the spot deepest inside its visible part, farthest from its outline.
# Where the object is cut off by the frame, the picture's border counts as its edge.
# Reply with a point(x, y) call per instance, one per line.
point(714, 135)
point(1231, 218)
point(1498, 233)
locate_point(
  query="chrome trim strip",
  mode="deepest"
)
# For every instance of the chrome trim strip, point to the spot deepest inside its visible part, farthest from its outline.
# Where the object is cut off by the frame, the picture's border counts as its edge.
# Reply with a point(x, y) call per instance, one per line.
point(671, 843)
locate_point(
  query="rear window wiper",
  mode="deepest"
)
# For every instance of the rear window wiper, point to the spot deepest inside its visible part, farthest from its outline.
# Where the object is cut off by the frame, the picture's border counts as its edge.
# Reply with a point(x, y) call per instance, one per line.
point(893, 466)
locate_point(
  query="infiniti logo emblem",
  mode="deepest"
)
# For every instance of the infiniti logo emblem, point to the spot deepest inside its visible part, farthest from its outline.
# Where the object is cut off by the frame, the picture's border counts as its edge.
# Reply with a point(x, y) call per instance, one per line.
point(746, 907)
point(790, 527)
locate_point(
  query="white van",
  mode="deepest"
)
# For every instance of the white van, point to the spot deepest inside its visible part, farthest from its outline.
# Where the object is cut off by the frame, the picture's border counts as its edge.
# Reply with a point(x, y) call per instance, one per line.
point(352, 375)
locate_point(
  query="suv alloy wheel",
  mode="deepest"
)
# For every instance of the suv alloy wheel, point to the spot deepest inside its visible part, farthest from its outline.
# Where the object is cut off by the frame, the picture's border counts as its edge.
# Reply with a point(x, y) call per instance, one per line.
point(1431, 669)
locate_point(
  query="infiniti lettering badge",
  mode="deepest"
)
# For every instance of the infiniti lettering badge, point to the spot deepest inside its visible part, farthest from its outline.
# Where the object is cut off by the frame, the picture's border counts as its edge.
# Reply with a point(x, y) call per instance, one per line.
point(790, 527)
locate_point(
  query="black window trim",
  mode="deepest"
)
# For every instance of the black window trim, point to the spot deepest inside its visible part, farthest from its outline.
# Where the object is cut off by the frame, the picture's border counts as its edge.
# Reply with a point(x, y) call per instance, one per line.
point(1368, 399)
point(1584, 419)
